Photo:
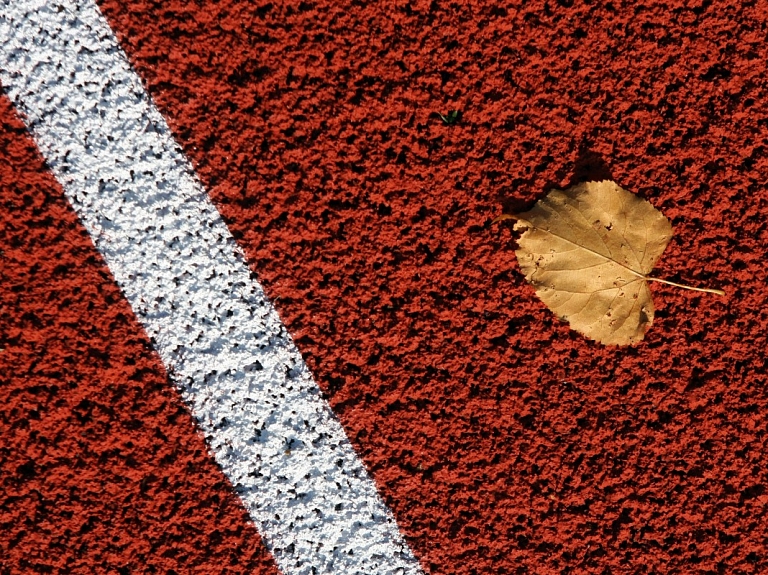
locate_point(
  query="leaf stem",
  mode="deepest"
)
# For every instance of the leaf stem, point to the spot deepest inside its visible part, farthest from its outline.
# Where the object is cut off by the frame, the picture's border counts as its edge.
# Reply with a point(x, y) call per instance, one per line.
point(705, 290)
point(504, 217)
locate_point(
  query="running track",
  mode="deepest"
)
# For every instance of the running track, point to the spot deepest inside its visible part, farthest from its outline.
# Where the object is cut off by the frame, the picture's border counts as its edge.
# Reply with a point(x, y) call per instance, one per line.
point(500, 441)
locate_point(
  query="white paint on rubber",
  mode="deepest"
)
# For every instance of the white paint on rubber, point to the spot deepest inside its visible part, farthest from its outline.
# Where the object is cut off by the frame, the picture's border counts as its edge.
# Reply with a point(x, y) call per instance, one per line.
point(222, 341)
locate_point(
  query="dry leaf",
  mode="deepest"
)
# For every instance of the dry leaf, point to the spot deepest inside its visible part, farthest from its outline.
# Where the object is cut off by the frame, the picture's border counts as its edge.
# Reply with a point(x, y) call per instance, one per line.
point(588, 252)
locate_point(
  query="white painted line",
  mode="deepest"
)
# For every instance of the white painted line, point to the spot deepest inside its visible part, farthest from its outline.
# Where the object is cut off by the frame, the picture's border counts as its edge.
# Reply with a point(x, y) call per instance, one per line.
point(222, 341)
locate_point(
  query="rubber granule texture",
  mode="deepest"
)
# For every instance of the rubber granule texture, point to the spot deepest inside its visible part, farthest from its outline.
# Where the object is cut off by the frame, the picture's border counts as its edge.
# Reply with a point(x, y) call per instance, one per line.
point(503, 442)
point(103, 470)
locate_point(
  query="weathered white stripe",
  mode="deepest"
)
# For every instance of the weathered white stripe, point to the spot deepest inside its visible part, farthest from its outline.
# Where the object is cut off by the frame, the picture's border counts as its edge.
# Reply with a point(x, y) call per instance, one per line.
point(174, 258)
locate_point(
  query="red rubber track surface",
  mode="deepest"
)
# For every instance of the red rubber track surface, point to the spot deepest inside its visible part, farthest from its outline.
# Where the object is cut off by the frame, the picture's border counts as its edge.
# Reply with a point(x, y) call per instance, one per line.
point(504, 442)
point(101, 468)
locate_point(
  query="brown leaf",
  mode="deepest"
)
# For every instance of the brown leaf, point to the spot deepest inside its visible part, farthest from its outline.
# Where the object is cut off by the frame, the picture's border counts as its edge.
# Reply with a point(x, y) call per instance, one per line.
point(588, 252)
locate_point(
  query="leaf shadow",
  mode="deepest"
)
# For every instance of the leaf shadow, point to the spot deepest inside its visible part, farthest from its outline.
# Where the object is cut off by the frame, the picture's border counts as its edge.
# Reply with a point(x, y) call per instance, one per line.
point(589, 166)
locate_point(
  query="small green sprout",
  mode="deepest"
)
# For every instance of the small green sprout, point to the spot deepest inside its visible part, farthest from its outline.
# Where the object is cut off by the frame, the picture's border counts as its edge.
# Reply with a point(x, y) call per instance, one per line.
point(451, 117)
